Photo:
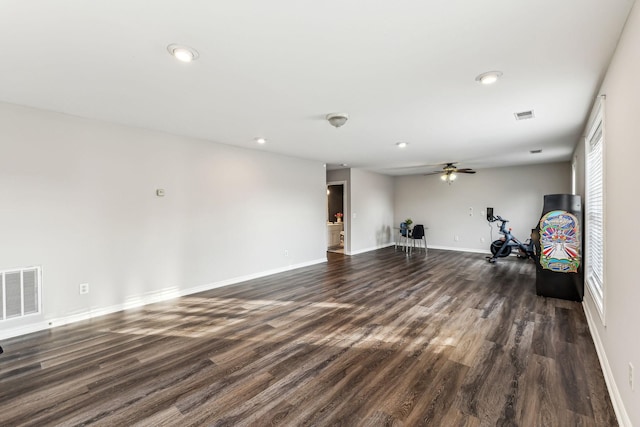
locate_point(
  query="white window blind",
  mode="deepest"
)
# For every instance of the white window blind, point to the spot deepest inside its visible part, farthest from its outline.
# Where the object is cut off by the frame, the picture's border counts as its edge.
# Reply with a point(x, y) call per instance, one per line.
point(594, 217)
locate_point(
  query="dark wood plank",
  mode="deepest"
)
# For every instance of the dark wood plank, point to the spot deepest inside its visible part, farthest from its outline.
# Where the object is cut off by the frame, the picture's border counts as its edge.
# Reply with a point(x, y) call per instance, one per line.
point(376, 339)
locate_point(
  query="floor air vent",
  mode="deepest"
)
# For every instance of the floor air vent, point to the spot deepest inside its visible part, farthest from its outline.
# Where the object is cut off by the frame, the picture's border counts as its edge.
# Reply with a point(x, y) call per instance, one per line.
point(20, 294)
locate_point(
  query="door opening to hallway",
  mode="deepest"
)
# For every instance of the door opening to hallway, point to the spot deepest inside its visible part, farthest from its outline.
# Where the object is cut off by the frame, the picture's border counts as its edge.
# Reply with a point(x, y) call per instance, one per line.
point(336, 217)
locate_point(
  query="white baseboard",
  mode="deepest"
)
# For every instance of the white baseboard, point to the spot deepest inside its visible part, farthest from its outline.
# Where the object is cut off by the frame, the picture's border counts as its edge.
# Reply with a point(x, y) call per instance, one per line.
point(449, 248)
point(373, 248)
point(444, 248)
point(616, 399)
point(144, 299)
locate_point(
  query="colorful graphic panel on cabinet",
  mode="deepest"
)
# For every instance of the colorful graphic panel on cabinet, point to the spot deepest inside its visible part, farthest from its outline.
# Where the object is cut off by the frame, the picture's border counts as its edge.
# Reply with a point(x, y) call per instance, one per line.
point(560, 242)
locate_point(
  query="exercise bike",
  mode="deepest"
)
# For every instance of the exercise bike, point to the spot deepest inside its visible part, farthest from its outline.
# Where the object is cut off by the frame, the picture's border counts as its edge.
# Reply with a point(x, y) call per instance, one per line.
point(502, 247)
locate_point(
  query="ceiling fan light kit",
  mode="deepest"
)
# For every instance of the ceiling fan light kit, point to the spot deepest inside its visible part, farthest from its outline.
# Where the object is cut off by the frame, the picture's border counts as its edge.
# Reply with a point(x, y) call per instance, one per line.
point(337, 119)
point(449, 172)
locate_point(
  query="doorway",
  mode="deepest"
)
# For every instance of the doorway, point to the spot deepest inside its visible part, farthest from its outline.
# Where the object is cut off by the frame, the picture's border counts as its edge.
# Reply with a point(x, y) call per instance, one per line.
point(336, 217)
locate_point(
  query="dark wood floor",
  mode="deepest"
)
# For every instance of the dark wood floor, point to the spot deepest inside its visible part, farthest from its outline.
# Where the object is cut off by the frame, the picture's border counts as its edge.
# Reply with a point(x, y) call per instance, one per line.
point(375, 339)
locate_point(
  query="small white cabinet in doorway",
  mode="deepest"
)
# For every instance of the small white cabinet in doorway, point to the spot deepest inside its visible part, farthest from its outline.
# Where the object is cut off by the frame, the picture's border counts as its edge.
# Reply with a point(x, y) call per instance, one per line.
point(333, 233)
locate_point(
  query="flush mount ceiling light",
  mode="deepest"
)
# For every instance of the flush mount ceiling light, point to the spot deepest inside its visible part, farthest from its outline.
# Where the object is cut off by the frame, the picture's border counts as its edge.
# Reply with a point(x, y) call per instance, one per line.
point(489, 78)
point(402, 144)
point(183, 53)
point(261, 141)
point(337, 119)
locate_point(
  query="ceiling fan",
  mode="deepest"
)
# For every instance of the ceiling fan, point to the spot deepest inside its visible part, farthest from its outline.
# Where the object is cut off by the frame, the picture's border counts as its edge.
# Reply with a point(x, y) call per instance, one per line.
point(449, 172)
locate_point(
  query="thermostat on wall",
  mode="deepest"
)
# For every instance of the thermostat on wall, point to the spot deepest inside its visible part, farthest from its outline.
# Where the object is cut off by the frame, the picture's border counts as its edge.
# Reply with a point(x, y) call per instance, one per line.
point(160, 192)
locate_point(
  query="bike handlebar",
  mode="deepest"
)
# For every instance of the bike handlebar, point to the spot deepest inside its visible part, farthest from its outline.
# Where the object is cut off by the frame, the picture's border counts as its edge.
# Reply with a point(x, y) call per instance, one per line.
point(499, 218)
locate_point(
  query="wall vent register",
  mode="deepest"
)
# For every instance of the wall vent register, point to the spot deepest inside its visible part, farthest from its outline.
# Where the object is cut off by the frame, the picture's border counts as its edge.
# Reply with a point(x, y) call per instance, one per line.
point(524, 115)
point(19, 292)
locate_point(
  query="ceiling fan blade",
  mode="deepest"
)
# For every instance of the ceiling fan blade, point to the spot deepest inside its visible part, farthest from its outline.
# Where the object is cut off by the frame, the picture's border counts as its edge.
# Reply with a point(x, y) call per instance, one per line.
point(433, 173)
point(465, 171)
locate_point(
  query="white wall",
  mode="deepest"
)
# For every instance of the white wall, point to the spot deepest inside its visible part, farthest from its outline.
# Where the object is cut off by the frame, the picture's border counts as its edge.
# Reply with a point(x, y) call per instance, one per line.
point(371, 202)
point(78, 198)
point(515, 193)
point(618, 342)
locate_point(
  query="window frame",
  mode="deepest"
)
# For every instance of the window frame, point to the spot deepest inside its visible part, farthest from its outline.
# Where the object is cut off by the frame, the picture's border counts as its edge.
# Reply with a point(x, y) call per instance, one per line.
point(595, 245)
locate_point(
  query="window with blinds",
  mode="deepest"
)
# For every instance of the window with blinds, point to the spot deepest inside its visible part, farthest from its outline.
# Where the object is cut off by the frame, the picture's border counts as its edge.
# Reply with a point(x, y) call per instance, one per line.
point(19, 292)
point(594, 218)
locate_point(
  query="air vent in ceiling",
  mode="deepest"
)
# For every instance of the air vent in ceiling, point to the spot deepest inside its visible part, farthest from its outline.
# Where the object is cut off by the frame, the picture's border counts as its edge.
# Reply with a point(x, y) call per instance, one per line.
point(538, 151)
point(524, 115)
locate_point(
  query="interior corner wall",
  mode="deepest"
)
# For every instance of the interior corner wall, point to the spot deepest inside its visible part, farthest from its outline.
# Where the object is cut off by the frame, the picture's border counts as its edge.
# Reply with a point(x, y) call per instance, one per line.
point(78, 198)
point(455, 215)
point(371, 211)
point(618, 343)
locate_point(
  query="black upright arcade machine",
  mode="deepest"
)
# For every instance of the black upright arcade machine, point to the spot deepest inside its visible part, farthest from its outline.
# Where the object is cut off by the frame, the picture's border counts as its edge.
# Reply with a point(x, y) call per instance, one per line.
point(558, 240)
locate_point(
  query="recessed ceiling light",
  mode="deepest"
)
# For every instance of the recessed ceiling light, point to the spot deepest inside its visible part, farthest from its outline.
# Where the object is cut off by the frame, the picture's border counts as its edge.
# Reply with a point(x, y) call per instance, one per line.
point(489, 78)
point(261, 141)
point(183, 53)
point(344, 165)
point(402, 144)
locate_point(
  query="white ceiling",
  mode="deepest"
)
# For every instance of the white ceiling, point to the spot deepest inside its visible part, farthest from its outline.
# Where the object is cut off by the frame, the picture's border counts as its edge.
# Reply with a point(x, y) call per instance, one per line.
point(403, 71)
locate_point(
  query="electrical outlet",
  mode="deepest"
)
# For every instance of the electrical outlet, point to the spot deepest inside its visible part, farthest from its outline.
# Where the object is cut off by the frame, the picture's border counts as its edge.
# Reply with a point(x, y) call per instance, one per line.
point(482, 240)
point(470, 211)
point(83, 288)
point(286, 252)
point(631, 376)
point(456, 238)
